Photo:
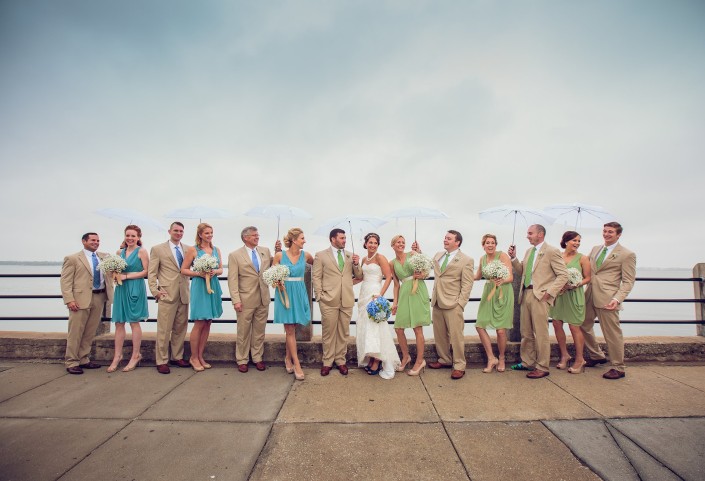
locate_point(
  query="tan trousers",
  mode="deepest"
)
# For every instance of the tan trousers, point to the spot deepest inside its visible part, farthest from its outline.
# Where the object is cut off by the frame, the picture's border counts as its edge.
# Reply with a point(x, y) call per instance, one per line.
point(250, 334)
point(172, 323)
point(336, 329)
point(83, 325)
point(535, 347)
point(448, 327)
point(609, 323)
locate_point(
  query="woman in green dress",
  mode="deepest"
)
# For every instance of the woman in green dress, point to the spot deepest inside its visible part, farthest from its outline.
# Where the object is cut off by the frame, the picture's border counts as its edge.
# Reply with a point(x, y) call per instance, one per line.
point(570, 304)
point(411, 307)
point(496, 309)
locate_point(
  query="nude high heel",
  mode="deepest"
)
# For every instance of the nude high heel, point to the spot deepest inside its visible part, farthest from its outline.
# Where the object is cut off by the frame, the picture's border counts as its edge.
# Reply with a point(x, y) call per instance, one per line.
point(113, 367)
point(403, 366)
point(129, 368)
point(419, 370)
point(577, 370)
point(492, 366)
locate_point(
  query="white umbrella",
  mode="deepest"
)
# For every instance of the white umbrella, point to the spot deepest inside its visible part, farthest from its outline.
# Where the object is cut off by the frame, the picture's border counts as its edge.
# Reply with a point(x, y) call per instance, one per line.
point(131, 217)
point(417, 213)
point(279, 212)
point(580, 215)
point(510, 214)
point(199, 212)
point(354, 224)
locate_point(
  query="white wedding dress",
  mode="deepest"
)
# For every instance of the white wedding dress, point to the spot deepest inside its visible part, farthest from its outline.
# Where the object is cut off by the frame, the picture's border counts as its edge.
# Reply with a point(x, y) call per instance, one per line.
point(374, 339)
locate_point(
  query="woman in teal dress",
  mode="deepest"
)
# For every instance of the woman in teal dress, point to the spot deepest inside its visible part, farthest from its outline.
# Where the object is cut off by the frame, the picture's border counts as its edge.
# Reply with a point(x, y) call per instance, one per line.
point(570, 304)
point(204, 307)
point(412, 310)
point(498, 312)
point(299, 310)
point(130, 299)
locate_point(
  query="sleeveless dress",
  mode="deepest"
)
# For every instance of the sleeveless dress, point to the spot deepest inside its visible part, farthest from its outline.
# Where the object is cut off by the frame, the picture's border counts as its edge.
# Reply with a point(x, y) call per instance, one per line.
point(412, 309)
point(130, 298)
point(570, 306)
point(299, 311)
point(495, 313)
point(205, 306)
point(374, 339)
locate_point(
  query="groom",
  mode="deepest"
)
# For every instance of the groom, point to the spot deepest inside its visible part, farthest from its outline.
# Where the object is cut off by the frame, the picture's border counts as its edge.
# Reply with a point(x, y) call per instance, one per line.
point(333, 272)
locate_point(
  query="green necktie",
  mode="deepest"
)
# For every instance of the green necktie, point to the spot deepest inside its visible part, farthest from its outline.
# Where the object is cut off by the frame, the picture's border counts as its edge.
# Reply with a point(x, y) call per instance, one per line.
point(601, 258)
point(341, 262)
point(529, 267)
point(445, 262)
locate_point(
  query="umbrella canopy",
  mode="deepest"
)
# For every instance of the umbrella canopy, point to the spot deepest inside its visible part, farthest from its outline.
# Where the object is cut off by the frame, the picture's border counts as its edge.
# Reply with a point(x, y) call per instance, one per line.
point(131, 216)
point(511, 214)
point(580, 215)
point(417, 213)
point(199, 212)
point(355, 225)
point(279, 212)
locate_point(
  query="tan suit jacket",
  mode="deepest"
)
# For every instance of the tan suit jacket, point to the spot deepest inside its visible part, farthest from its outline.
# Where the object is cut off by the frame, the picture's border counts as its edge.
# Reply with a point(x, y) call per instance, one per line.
point(331, 286)
point(614, 279)
point(245, 283)
point(165, 273)
point(549, 275)
point(452, 287)
point(77, 280)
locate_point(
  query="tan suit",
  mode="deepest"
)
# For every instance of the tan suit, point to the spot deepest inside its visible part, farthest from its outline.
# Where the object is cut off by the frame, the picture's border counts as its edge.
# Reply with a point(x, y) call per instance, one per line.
point(451, 290)
point(614, 279)
point(334, 292)
point(172, 314)
point(247, 287)
point(77, 286)
point(549, 275)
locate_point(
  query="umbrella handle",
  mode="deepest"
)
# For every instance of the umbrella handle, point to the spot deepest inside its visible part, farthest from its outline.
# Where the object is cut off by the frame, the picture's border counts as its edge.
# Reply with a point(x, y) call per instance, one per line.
point(352, 239)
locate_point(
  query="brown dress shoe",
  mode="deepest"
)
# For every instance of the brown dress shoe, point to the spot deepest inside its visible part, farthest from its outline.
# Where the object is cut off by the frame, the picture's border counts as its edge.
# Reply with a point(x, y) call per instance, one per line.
point(242, 368)
point(438, 365)
point(74, 370)
point(613, 374)
point(325, 370)
point(537, 374)
point(180, 363)
point(594, 362)
point(343, 370)
point(261, 366)
point(90, 365)
point(457, 374)
point(163, 369)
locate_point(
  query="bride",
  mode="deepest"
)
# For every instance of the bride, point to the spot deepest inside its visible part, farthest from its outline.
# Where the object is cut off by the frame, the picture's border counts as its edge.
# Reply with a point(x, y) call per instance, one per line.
point(375, 347)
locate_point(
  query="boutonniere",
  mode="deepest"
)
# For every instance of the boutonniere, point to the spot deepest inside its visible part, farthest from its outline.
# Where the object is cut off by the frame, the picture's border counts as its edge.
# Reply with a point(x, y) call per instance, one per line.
point(613, 256)
point(540, 254)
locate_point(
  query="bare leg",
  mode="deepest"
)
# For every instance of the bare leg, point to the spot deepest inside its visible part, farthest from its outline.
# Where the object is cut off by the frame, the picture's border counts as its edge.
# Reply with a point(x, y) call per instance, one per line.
point(119, 341)
point(195, 340)
point(579, 342)
point(420, 347)
point(501, 348)
point(136, 329)
point(404, 346)
point(487, 344)
point(560, 337)
point(203, 339)
point(291, 349)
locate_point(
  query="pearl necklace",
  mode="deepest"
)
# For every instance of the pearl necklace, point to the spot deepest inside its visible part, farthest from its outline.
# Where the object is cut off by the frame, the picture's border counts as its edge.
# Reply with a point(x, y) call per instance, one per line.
point(370, 258)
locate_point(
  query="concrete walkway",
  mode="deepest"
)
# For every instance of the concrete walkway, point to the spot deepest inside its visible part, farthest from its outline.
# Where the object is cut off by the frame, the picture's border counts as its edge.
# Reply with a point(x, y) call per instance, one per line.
point(224, 425)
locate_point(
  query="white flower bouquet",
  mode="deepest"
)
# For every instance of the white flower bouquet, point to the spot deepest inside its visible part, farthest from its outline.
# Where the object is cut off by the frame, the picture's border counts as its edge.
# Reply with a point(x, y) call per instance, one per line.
point(206, 264)
point(113, 265)
point(422, 264)
point(275, 276)
point(492, 271)
point(575, 277)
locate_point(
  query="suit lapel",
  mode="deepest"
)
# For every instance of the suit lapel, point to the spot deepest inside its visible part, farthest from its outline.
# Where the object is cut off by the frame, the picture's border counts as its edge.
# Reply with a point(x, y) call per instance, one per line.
point(84, 261)
point(335, 261)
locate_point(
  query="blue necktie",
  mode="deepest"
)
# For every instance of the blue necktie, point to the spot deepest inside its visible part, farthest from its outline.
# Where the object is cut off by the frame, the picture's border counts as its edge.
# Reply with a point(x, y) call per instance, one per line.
point(255, 261)
point(96, 274)
point(179, 257)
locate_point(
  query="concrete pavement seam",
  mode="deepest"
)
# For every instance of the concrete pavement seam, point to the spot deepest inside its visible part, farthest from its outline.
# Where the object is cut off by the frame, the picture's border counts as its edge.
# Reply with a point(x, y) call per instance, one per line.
point(601, 416)
point(673, 379)
point(34, 387)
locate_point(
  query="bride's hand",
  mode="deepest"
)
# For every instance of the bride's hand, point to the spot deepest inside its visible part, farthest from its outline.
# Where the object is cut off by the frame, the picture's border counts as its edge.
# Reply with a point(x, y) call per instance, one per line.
point(375, 296)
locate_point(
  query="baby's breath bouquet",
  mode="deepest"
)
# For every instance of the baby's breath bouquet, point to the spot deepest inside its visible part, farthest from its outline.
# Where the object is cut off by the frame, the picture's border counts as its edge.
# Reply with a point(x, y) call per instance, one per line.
point(113, 265)
point(575, 277)
point(422, 264)
point(275, 276)
point(379, 310)
point(207, 264)
point(495, 270)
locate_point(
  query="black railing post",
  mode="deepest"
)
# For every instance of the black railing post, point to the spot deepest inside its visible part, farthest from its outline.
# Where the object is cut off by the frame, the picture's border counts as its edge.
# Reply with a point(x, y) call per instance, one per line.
point(514, 332)
point(699, 289)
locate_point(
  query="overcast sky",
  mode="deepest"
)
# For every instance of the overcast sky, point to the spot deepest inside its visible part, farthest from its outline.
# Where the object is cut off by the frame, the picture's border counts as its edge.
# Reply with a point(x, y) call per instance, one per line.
point(349, 107)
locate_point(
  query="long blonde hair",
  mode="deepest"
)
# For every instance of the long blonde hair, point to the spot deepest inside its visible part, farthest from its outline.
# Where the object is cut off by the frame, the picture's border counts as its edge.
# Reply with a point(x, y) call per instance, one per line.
point(199, 230)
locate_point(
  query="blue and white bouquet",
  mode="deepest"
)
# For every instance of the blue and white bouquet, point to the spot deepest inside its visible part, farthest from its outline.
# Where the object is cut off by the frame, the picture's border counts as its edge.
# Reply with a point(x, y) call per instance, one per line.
point(206, 264)
point(379, 310)
point(114, 265)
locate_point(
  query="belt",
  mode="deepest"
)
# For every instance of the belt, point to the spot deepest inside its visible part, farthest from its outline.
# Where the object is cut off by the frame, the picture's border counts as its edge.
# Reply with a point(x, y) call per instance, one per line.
point(407, 279)
point(529, 287)
point(98, 291)
point(295, 279)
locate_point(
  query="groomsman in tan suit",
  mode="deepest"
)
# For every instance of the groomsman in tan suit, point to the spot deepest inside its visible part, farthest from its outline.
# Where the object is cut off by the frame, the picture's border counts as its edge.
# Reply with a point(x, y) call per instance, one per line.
point(171, 290)
point(85, 291)
point(453, 272)
point(613, 273)
point(333, 272)
point(544, 274)
point(250, 296)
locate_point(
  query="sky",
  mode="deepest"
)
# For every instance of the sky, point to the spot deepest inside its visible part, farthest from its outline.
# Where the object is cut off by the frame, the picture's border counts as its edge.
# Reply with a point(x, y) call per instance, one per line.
point(352, 107)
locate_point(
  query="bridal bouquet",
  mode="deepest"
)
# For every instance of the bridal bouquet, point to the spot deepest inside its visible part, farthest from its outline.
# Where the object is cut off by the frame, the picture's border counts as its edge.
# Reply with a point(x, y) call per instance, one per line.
point(575, 277)
point(206, 263)
point(495, 270)
point(113, 265)
point(379, 310)
point(274, 277)
point(420, 263)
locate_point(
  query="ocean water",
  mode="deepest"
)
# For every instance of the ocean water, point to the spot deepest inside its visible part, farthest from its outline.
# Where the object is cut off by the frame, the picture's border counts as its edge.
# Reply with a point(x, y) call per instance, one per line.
point(632, 311)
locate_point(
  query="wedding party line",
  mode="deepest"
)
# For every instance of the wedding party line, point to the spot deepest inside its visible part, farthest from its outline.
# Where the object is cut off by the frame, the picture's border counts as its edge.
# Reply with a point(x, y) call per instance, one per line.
point(184, 281)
